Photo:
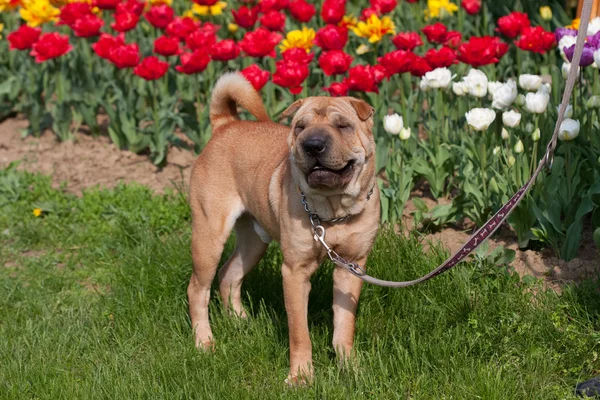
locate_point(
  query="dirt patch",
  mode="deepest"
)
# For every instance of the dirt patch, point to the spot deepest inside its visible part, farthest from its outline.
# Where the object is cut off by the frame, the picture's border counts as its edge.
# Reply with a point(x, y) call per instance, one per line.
point(88, 161)
point(92, 161)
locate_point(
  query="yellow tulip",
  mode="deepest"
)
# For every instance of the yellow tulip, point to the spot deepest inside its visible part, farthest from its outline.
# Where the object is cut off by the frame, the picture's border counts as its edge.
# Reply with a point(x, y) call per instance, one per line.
point(37, 12)
point(546, 13)
point(348, 21)
point(302, 39)
point(216, 9)
point(375, 28)
point(440, 8)
point(232, 28)
point(574, 24)
point(1, 29)
point(159, 2)
point(362, 49)
point(8, 5)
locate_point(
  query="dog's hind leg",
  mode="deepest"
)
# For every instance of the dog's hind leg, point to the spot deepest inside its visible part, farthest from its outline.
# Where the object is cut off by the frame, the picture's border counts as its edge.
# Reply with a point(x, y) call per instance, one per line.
point(250, 248)
point(211, 227)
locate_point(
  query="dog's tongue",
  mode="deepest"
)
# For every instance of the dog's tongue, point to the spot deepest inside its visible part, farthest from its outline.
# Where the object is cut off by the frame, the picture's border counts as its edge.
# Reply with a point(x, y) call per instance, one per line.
point(324, 177)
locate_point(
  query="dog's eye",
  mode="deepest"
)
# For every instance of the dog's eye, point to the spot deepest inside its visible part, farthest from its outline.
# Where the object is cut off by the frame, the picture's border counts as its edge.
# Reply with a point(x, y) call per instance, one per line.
point(343, 126)
point(299, 128)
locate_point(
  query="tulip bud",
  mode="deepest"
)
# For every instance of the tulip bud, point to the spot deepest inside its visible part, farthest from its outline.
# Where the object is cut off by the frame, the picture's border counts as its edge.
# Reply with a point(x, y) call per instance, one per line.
point(566, 67)
point(393, 124)
point(529, 127)
point(493, 185)
point(593, 102)
point(362, 49)
point(568, 111)
point(536, 135)
point(519, 147)
point(546, 13)
point(496, 150)
point(232, 28)
point(569, 129)
point(520, 100)
point(404, 134)
point(511, 161)
point(505, 135)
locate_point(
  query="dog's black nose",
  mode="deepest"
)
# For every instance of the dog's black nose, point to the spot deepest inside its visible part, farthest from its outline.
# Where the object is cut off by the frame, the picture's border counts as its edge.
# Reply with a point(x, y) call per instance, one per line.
point(315, 145)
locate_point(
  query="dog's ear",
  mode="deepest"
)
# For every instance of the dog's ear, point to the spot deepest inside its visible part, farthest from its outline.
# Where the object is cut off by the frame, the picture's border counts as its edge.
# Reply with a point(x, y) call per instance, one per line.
point(362, 108)
point(291, 110)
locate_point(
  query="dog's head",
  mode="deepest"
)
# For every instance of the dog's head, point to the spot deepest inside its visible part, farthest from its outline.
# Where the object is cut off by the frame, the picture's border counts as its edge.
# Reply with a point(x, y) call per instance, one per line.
point(331, 143)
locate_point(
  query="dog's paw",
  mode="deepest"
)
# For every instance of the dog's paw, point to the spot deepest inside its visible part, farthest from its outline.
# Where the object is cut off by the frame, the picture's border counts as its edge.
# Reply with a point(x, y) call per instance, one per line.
point(207, 345)
point(297, 381)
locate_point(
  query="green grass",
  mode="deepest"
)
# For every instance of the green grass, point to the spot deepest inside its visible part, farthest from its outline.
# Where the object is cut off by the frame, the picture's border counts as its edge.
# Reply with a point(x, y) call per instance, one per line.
point(93, 305)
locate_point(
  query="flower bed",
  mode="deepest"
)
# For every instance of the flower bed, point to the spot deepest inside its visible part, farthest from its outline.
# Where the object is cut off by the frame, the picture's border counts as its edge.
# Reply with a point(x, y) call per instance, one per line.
point(474, 97)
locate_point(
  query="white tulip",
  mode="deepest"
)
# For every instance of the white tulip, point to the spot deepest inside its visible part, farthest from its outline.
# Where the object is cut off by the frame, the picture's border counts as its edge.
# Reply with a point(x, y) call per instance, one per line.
point(505, 95)
point(496, 150)
point(423, 85)
point(566, 67)
point(519, 147)
point(460, 88)
point(504, 134)
point(597, 57)
point(511, 118)
point(569, 129)
point(537, 102)
point(476, 82)
point(530, 82)
point(535, 136)
point(393, 124)
point(568, 111)
point(593, 26)
point(493, 86)
point(566, 42)
point(480, 118)
point(529, 127)
point(545, 88)
point(405, 134)
point(439, 78)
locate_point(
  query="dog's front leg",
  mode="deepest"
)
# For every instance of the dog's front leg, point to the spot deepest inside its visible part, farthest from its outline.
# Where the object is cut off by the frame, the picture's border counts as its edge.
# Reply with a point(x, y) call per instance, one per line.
point(346, 291)
point(296, 287)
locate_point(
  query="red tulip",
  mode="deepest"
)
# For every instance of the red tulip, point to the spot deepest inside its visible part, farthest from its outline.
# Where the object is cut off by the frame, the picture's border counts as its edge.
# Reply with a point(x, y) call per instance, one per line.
point(367, 12)
point(302, 11)
point(297, 55)
point(106, 4)
point(337, 89)
point(50, 45)
point(512, 25)
point(419, 66)
point(379, 73)
point(201, 38)
point(224, 50)
point(151, 68)
point(335, 62)
point(443, 57)
point(472, 7)
point(407, 40)
point(23, 38)
point(245, 17)
point(260, 43)
point(132, 6)
point(106, 43)
point(206, 2)
point(453, 39)
point(160, 16)
point(181, 27)
point(125, 56)
point(273, 20)
point(331, 37)
point(87, 26)
point(397, 62)
point(384, 6)
point(71, 12)
point(435, 33)
point(536, 39)
point(125, 21)
point(290, 75)
point(273, 5)
point(192, 63)
point(256, 76)
point(361, 78)
point(480, 51)
point(333, 11)
point(166, 46)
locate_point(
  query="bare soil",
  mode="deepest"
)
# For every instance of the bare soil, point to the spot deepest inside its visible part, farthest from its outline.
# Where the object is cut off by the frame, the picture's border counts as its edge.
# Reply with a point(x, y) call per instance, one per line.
point(95, 161)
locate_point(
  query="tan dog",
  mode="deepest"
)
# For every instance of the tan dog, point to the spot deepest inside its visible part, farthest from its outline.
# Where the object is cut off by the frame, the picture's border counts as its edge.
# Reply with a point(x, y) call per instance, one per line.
point(248, 177)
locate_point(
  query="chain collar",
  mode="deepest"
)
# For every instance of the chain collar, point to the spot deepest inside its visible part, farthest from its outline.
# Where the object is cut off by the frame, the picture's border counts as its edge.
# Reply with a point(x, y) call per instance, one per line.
point(314, 217)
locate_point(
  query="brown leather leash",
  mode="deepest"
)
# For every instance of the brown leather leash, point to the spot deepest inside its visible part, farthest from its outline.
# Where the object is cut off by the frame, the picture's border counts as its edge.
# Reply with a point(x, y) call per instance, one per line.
point(501, 215)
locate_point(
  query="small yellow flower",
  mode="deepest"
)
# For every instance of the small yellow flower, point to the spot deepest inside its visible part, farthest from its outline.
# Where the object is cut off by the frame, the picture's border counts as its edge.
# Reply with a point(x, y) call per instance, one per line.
point(546, 13)
point(440, 8)
point(348, 21)
point(232, 28)
point(375, 28)
point(37, 212)
point(37, 12)
point(574, 24)
point(362, 49)
point(302, 39)
point(216, 9)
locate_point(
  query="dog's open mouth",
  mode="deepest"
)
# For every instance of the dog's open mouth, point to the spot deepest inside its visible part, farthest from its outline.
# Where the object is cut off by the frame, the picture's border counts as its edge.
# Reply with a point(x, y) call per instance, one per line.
point(322, 176)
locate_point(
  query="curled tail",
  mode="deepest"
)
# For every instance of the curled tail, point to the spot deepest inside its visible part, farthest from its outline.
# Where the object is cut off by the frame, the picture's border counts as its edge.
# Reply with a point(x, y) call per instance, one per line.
point(231, 90)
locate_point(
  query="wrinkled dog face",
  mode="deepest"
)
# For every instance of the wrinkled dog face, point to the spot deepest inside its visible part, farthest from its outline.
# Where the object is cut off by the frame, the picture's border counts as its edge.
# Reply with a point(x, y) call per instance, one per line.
point(330, 140)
